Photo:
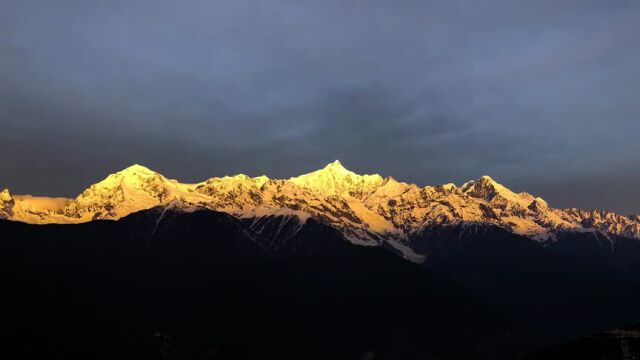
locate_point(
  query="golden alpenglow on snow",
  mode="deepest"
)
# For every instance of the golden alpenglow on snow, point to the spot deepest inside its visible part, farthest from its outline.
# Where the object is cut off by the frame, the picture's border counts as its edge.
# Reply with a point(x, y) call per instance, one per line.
point(367, 209)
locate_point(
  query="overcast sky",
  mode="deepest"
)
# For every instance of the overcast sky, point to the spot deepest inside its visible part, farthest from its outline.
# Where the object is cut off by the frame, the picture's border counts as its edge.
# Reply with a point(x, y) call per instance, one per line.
point(543, 95)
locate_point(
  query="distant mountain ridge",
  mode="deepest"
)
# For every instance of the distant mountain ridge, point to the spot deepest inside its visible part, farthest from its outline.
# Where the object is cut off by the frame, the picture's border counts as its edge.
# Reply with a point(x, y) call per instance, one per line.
point(366, 209)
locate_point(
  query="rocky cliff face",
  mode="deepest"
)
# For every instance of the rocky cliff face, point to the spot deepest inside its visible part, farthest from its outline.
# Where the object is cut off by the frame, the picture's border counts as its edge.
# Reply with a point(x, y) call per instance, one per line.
point(6, 204)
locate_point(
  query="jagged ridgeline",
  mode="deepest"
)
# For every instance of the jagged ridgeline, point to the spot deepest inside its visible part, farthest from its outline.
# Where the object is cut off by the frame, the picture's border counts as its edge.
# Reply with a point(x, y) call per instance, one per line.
point(367, 209)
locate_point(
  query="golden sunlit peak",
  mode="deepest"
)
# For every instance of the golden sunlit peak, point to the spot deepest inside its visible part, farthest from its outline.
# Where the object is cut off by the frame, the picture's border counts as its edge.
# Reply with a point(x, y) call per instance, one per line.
point(334, 179)
point(486, 178)
point(136, 168)
point(482, 181)
point(337, 168)
point(336, 165)
point(132, 173)
point(5, 194)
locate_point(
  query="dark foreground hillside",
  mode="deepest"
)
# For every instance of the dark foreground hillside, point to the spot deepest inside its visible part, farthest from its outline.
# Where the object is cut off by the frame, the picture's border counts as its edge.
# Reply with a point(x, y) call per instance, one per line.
point(617, 344)
point(200, 285)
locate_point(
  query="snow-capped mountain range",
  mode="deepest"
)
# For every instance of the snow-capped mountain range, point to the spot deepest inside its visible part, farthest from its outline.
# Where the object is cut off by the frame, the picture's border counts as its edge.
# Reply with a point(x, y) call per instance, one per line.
point(367, 209)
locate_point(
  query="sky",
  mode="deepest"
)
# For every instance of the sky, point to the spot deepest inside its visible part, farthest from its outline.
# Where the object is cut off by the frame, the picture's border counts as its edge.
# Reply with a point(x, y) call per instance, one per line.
point(541, 95)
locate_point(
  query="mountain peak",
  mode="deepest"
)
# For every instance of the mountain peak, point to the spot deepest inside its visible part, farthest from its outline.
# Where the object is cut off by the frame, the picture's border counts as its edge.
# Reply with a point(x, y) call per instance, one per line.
point(132, 189)
point(132, 175)
point(483, 187)
point(6, 204)
point(332, 169)
point(335, 179)
point(487, 188)
point(5, 194)
point(335, 166)
point(486, 179)
point(137, 169)
point(538, 205)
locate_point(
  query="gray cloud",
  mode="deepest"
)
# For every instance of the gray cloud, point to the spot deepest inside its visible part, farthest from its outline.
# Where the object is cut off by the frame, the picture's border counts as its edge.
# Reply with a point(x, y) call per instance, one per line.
point(540, 95)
